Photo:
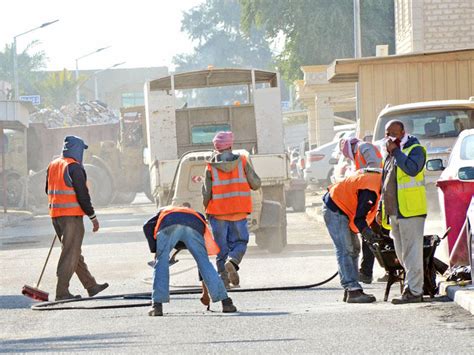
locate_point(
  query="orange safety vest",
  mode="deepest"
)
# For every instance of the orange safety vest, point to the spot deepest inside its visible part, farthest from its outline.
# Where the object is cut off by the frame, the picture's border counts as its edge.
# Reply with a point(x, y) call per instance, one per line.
point(360, 161)
point(230, 190)
point(344, 194)
point(211, 246)
point(62, 199)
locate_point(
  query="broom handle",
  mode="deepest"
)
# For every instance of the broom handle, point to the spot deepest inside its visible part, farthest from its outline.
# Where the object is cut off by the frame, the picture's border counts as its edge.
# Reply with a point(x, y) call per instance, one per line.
point(46, 262)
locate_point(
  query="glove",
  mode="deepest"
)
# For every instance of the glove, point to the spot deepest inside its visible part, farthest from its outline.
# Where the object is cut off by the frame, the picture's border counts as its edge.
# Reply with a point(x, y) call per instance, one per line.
point(369, 236)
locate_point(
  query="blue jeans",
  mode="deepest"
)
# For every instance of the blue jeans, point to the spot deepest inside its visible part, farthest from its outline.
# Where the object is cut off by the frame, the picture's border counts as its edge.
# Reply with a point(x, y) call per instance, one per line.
point(232, 238)
point(347, 248)
point(165, 242)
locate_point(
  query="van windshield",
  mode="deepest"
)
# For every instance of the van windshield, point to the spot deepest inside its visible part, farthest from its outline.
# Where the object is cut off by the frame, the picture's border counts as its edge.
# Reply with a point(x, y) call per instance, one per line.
point(431, 124)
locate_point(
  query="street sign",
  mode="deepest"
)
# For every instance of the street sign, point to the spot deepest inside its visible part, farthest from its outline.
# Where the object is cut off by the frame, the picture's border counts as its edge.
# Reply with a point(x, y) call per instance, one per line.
point(34, 99)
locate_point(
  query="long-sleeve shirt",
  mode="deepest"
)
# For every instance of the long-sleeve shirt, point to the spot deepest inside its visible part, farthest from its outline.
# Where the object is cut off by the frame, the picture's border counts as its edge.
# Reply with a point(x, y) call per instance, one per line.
point(75, 177)
point(366, 200)
point(412, 164)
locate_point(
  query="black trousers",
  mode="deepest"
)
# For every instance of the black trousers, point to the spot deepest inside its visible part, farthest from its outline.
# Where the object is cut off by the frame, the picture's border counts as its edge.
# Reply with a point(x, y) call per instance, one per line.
point(368, 258)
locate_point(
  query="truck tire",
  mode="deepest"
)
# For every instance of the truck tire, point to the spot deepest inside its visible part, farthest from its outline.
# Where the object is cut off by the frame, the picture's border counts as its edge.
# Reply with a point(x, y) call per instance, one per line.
point(124, 198)
point(99, 184)
point(15, 191)
point(298, 201)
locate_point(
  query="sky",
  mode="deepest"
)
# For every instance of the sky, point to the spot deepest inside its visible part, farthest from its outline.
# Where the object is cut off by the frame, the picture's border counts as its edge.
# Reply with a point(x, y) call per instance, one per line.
point(142, 33)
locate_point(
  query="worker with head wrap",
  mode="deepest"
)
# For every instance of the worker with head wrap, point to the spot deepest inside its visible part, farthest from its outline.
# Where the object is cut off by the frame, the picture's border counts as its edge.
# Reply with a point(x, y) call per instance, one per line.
point(364, 155)
point(228, 202)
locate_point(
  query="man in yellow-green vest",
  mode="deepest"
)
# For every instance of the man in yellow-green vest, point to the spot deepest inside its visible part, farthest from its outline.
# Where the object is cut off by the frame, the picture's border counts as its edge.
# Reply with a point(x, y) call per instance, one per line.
point(404, 205)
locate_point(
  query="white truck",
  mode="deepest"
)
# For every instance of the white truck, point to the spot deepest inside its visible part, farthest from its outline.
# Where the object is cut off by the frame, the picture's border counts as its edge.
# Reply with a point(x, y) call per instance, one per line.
point(187, 132)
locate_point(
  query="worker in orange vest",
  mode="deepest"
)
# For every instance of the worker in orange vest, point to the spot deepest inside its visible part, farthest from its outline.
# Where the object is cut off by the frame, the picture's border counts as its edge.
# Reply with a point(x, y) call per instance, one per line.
point(364, 155)
point(228, 202)
point(185, 226)
point(69, 201)
point(349, 208)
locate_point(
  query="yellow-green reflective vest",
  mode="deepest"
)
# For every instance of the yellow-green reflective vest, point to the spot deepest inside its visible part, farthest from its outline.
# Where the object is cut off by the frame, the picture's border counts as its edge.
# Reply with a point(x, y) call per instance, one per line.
point(411, 192)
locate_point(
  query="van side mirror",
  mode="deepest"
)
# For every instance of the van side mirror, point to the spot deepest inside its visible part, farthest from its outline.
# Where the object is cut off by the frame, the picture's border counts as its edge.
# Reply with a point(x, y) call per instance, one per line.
point(434, 165)
point(333, 161)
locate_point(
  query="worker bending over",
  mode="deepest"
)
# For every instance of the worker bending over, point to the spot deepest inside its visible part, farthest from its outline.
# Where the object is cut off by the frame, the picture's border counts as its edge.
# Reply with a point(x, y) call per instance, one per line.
point(364, 155)
point(184, 225)
point(228, 202)
point(349, 208)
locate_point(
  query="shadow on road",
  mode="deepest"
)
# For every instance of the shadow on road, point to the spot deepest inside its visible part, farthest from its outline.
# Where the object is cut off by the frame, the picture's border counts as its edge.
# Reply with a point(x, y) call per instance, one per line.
point(15, 301)
point(90, 342)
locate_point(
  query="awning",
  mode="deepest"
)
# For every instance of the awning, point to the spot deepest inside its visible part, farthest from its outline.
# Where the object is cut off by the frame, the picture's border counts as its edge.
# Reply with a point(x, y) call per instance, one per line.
point(213, 78)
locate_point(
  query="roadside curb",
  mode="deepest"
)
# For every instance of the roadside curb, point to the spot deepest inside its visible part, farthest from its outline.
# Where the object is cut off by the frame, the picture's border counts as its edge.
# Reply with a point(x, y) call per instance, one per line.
point(462, 295)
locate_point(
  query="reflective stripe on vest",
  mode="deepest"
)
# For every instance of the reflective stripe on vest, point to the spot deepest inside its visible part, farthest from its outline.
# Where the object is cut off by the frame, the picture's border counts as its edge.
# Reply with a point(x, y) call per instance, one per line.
point(64, 205)
point(230, 190)
point(411, 191)
point(61, 192)
point(345, 195)
point(211, 245)
point(62, 199)
point(359, 159)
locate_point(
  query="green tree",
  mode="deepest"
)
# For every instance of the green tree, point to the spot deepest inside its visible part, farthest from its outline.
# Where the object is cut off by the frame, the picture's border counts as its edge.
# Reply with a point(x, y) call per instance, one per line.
point(318, 31)
point(28, 66)
point(215, 25)
point(57, 88)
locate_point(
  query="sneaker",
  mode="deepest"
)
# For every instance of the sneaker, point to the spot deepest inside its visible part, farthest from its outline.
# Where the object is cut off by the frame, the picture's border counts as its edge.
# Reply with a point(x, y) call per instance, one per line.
point(156, 310)
point(232, 272)
point(228, 306)
point(94, 290)
point(408, 297)
point(358, 296)
point(365, 278)
point(67, 296)
point(384, 278)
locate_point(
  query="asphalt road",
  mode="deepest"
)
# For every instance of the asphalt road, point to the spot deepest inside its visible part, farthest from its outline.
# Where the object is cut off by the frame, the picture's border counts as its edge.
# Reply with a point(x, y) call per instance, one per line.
point(314, 320)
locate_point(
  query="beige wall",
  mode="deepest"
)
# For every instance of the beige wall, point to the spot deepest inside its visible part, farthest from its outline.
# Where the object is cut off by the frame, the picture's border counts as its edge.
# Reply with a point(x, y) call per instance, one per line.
point(412, 81)
point(424, 25)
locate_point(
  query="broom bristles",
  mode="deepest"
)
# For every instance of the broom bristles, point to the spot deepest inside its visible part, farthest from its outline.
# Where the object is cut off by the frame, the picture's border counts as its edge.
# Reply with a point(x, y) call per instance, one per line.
point(34, 293)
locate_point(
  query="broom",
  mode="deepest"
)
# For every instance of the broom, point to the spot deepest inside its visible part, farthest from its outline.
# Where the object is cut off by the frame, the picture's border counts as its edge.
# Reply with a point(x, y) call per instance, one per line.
point(34, 292)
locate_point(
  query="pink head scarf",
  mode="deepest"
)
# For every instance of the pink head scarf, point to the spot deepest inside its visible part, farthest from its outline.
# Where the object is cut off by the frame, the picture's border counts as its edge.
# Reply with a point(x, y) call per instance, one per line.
point(346, 149)
point(223, 140)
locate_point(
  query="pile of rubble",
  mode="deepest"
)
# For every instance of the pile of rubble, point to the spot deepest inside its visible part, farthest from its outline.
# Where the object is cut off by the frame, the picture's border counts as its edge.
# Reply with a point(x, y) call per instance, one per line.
point(84, 113)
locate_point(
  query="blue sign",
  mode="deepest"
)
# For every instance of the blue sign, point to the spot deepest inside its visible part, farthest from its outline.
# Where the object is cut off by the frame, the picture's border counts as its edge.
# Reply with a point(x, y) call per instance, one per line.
point(34, 99)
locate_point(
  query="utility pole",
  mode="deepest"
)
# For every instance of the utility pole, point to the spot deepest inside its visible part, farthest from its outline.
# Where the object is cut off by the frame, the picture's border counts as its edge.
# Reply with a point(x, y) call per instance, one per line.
point(357, 54)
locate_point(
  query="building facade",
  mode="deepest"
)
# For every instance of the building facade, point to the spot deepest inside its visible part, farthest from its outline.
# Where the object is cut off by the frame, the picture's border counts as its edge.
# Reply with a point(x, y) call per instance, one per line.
point(432, 25)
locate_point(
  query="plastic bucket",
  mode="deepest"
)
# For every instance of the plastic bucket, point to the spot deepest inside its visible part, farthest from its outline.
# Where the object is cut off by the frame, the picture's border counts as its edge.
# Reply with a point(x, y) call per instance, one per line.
point(457, 196)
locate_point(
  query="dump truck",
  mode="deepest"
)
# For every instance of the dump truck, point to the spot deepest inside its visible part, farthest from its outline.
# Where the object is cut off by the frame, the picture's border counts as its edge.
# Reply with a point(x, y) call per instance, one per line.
point(114, 161)
point(179, 140)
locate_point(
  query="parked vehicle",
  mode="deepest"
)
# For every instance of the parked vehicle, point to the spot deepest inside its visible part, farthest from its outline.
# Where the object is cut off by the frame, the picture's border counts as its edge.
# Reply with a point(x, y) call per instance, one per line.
point(436, 124)
point(317, 170)
point(461, 161)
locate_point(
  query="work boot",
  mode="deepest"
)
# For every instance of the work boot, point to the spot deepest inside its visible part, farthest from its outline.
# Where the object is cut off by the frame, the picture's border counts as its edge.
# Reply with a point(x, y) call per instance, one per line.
point(94, 290)
point(232, 272)
point(365, 278)
point(156, 310)
point(358, 296)
point(67, 296)
point(228, 306)
point(408, 297)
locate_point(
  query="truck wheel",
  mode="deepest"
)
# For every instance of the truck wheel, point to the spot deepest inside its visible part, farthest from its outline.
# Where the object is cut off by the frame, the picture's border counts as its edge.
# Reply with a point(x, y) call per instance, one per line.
point(276, 241)
point(299, 201)
point(125, 198)
point(99, 184)
point(14, 191)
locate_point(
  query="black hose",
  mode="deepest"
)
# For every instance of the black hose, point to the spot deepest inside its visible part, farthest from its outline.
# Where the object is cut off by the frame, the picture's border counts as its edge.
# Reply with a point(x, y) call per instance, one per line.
point(50, 306)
